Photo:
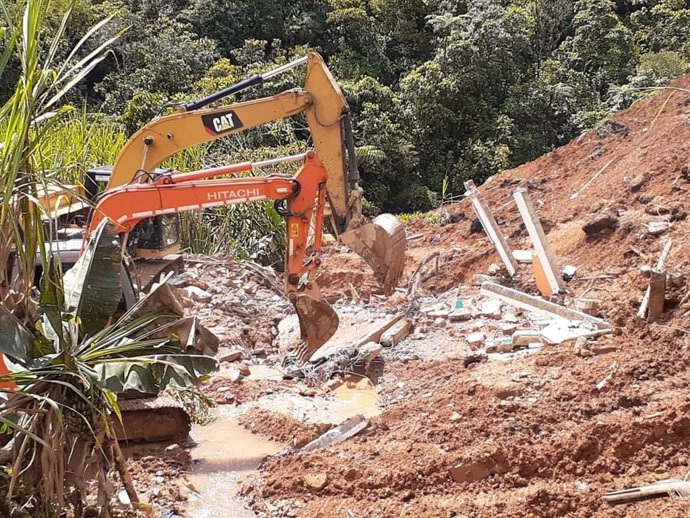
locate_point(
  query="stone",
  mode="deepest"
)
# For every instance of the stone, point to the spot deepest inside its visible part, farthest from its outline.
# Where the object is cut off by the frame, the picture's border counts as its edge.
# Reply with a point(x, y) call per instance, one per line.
point(494, 269)
point(602, 223)
point(459, 315)
point(638, 182)
point(491, 308)
point(315, 482)
point(352, 474)
point(525, 337)
point(454, 417)
point(196, 293)
point(232, 356)
point(475, 338)
point(656, 228)
point(568, 273)
point(504, 347)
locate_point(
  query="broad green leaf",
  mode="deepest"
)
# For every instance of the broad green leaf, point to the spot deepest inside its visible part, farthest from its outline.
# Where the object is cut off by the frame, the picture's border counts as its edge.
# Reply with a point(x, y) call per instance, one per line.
point(15, 339)
point(92, 285)
point(154, 374)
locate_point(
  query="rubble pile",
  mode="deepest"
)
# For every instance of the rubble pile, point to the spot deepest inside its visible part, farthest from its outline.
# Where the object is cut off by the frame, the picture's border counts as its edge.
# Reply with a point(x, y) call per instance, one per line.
point(534, 361)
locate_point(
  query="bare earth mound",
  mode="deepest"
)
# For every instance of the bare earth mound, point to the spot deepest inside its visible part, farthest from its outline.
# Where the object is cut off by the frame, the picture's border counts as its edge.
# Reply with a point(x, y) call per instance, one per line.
point(534, 436)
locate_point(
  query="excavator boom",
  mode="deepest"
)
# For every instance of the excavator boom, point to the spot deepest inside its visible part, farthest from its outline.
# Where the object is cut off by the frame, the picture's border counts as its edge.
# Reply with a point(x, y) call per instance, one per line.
point(381, 243)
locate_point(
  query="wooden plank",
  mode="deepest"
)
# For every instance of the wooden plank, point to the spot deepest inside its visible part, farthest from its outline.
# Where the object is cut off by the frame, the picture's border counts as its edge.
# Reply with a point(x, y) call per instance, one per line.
point(491, 227)
point(531, 303)
point(642, 312)
point(536, 233)
point(657, 295)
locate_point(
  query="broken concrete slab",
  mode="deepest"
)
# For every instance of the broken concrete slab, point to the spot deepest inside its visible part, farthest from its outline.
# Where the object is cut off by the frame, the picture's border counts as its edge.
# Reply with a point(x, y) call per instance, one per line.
point(523, 256)
point(396, 333)
point(475, 338)
point(522, 300)
point(525, 337)
point(349, 428)
point(562, 330)
point(491, 308)
point(459, 315)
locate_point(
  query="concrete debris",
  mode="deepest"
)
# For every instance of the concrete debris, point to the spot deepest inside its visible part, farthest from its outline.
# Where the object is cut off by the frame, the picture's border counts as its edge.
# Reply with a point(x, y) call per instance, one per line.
point(568, 273)
point(523, 256)
point(197, 294)
point(587, 305)
point(349, 428)
point(531, 303)
point(525, 337)
point(459, 315)
point(396, 333)
point(561, 331)
point(656, 228)
point(475, 338)
point(491, 308)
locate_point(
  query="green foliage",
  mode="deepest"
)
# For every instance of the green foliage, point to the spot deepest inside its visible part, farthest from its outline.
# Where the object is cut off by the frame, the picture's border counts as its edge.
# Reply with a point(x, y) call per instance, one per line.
point(442, 89)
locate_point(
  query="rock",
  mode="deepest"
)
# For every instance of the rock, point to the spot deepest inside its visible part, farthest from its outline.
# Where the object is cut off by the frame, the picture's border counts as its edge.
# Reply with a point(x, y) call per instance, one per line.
point(352, 474)
point(475, 338)
point(491, 308)
point(196, 293)
point(494, 269)
point(656, 228)
point(440, 322)
point(232, 356)
point(244, 370)
point(480, 279)
point(178, 453)
point(569, 273)
point(601, 224)
point(235, 376)
point(476, 226)
point(504, 347)
point(315, 482)
point(454, 417)
point(646, 270)
point(471, 359)
point(638, 182)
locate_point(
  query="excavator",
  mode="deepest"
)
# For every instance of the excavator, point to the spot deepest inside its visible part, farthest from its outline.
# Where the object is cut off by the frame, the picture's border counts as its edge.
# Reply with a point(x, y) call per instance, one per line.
point(325, 185)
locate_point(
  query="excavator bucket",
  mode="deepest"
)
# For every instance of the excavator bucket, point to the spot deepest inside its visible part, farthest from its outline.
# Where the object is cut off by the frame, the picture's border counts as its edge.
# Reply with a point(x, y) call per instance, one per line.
point(381, 244)
point(317, 321)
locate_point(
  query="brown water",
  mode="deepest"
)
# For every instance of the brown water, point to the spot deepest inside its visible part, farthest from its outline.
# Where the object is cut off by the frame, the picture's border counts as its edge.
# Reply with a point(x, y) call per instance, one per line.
point(225, 454)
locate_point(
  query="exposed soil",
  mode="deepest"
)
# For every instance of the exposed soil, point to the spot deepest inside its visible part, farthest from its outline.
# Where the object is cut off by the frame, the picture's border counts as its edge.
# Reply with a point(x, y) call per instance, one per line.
point(534, 435)
point(543, 433)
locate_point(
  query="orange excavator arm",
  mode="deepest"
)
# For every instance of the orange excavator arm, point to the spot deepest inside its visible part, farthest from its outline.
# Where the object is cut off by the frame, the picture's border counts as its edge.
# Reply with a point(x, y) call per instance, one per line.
point(304, 197)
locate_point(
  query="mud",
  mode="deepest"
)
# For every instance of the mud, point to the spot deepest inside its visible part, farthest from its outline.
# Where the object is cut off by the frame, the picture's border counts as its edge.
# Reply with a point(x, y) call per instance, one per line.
point(544, 432)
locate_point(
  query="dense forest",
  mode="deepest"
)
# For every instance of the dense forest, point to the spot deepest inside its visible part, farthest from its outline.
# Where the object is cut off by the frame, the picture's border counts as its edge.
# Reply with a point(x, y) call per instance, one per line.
point(441, 90)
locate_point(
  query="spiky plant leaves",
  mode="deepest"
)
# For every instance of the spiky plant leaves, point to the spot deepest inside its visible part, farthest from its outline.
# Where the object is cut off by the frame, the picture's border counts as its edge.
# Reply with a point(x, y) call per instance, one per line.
point(93, 285)
point(157, 373)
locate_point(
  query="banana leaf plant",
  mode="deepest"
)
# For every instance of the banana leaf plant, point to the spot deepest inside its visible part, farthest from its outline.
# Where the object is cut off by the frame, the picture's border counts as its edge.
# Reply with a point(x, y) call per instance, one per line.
point(68, 373)
point(67, 351)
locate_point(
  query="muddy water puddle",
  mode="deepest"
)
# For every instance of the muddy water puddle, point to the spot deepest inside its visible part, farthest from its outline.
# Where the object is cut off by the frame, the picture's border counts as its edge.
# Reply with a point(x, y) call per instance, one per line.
point(356, 395)
point(225, 454)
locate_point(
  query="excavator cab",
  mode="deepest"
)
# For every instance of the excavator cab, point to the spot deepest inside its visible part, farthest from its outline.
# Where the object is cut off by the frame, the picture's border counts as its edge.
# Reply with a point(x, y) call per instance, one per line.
point(381, 242)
